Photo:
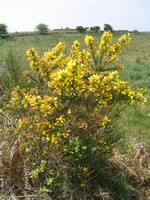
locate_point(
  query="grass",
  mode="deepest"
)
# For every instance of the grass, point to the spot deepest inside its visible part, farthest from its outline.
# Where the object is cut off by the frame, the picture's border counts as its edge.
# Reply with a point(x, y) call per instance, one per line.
point(136, 58)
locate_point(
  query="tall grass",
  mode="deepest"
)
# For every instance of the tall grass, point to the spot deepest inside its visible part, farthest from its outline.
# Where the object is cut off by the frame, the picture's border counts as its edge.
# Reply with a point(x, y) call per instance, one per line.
point(12, 74)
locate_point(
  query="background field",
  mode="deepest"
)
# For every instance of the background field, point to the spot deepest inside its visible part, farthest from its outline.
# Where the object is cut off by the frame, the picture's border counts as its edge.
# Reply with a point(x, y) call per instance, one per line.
point(135, 121)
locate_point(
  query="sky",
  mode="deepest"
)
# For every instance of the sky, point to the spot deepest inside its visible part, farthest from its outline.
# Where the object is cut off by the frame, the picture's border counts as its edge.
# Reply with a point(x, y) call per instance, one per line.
point(25, 15)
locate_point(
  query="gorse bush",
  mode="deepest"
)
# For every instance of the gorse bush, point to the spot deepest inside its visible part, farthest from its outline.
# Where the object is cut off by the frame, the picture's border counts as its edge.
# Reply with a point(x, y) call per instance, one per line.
point(64, 117)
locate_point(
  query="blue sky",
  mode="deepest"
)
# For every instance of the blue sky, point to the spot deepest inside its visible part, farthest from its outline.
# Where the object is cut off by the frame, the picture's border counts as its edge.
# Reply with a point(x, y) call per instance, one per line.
point(24, 15)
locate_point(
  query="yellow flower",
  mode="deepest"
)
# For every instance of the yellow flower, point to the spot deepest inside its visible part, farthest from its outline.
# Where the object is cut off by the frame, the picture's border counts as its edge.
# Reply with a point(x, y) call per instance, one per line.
point(85, 169)
point(65, 135)
point(33, 58)
point(69, 111)
point(105, 120)
point(76, 45)
point(89, 40)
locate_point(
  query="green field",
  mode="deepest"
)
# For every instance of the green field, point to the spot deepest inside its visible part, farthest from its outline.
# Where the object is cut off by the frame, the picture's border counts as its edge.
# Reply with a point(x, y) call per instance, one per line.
point(133, 123)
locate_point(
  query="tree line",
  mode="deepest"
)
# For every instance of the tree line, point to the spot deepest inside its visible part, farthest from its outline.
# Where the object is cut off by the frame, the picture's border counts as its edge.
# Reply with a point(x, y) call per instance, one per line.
point(43, 29)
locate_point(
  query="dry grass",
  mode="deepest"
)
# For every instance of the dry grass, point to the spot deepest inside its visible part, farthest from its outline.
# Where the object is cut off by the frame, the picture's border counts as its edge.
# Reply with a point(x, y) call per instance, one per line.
point(136, 166)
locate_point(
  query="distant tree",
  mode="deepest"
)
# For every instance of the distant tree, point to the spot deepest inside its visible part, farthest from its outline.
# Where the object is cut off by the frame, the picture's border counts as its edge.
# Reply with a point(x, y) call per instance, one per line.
point(86, 28)
point(135, 31)
point(42, 29)
point(80, 29)
point(95, 28)
point(91, 28)
point(3, 29)
point(108, 27)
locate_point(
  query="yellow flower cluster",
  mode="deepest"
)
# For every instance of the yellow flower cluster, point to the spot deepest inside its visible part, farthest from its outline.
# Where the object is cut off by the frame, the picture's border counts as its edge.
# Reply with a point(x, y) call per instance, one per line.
point(76, 94)
point(105, 43)
point(89, 40)
point(33, 57)
point(109, 52)
point(68, 79)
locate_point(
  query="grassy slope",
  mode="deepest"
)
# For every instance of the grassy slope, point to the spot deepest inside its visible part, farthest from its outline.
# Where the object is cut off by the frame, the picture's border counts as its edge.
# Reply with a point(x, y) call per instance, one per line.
point(136, 57)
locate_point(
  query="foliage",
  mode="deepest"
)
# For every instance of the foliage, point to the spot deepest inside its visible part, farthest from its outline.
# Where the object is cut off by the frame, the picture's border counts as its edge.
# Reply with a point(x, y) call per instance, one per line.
point(42, 29)
point(95, 28)
point(80, 29)
point(64, 117)
point(3, 30)
point(108, 27)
